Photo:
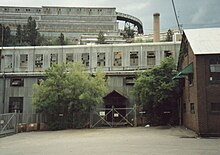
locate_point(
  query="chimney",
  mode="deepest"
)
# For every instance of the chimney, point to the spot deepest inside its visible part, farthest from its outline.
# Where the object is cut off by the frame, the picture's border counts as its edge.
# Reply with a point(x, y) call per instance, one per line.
point(156, 27)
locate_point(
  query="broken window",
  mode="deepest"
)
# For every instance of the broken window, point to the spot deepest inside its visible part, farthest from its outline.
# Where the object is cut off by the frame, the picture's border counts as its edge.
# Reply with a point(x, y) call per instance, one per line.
point(167, 53)
point(53, 59)
point(151, 58)
point(133, 58)
point(8, 61)
point(17, 82)
point(69, 58)
point(117, 59)
point(23, 60)
point(15, 105)
point(85, 59)
point(100, 59)
point(38, 60)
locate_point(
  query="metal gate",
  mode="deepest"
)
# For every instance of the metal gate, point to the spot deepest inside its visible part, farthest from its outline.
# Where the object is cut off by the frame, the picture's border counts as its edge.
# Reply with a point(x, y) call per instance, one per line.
point(113, 117)
point(8, 123)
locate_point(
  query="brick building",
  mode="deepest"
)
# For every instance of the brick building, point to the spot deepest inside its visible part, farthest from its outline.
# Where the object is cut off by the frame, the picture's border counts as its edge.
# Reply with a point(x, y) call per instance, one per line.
point(199, 79)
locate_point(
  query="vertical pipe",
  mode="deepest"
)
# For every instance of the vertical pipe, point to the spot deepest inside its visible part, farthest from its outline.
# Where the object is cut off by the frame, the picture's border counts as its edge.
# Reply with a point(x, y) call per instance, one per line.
point(156, 27)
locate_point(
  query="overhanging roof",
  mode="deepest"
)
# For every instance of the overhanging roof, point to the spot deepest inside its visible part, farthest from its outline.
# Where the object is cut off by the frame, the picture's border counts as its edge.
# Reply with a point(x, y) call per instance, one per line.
point(204, 41)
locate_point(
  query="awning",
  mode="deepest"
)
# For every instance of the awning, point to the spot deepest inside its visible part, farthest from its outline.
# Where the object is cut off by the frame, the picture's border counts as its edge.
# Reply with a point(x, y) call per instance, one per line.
point(186, 71)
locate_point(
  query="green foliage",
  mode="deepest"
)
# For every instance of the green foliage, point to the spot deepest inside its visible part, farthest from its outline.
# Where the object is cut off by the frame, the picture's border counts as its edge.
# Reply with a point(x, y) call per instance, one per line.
point(169, 36)
point(5, 34)
point(129, 32)
point(101, 38)
point(68, 89)
point(61, 39)
point(155, 87)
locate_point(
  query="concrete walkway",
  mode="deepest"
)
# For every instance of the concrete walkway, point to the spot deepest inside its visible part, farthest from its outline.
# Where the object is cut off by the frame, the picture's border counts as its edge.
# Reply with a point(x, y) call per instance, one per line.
point(110, 141)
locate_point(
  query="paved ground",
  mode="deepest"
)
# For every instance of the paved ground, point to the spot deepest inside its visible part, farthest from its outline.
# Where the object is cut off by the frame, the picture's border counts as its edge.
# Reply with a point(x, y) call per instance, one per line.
point(114, 141)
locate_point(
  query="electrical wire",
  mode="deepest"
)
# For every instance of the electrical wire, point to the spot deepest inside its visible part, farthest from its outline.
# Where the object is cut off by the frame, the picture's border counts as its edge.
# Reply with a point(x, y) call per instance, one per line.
point(174, 9)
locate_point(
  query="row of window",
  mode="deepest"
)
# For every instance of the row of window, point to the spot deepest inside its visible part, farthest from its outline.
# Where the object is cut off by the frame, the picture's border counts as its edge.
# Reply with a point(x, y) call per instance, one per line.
point(19, 82)
point(85, 59)
point(18, 10)
point(214, 107)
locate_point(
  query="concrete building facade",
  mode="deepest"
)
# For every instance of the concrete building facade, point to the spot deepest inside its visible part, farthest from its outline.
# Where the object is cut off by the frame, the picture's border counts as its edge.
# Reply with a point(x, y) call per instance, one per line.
point(71, 21)
point(21, 67)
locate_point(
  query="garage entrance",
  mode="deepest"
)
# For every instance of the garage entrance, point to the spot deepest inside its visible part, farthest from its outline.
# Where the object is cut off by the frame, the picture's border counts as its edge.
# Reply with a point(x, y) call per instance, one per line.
point(115, 112)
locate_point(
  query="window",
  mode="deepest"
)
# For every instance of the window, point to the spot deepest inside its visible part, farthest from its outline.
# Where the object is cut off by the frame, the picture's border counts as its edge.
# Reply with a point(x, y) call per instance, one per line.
point(85, 59)
point(23, 60)
point(167, 53)
point(53, 59)
point(69, 58)
point(100, 59)
point(192, 108)
point(151, 58)
point(215, 107)
point(17, 82)
point(39, 80)
point(8, 61)
point(17, 10)
point(117, 59)
point(133, 58)
point(214, 66)
point(15, 104)
point(190, 79)
point(129, 80)
point(39, 61)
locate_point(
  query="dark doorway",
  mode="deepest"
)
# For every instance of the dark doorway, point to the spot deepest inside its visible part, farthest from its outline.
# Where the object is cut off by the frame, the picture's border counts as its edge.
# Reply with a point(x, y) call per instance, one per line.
point(117, 101)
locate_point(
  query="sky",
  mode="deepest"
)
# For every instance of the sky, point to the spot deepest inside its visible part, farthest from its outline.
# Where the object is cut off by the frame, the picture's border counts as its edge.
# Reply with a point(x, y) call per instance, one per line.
point(190, 13)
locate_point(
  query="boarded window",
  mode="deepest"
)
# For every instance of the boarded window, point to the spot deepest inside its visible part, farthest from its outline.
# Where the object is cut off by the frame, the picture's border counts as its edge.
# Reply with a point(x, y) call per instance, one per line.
point(100, 59)
point(215, 107)
point(151, 60)
point(53, 59)
point(69, 58)
point(85, 59)
point(23, 60)
point(214, 65)
point(133, 58)
point(17, 82)
point(8, 61)
point(15, 104)
point(117, 59)
point(38, 60)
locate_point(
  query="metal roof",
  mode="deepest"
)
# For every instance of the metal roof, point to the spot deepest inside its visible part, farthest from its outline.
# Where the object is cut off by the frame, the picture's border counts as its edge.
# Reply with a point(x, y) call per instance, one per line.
point(204, 41)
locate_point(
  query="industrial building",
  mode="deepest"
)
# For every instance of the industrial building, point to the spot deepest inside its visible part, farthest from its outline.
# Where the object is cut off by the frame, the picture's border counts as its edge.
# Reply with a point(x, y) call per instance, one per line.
point(73, 22)
point(21, 67)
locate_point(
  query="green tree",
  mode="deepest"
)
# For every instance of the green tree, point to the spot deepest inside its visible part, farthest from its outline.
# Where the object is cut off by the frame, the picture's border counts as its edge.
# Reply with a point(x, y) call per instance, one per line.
point(155, 88)
point(101, 38)
point(19, 34)
point(68, 89)
point(32, 32)
point(169, 36)
point(5, 35)
point(61, 39)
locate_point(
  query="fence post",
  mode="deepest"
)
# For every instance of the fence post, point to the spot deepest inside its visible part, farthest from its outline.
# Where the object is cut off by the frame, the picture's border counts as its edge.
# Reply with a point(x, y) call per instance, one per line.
point(135, 115)
point(91, 118)
point(16, 122)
